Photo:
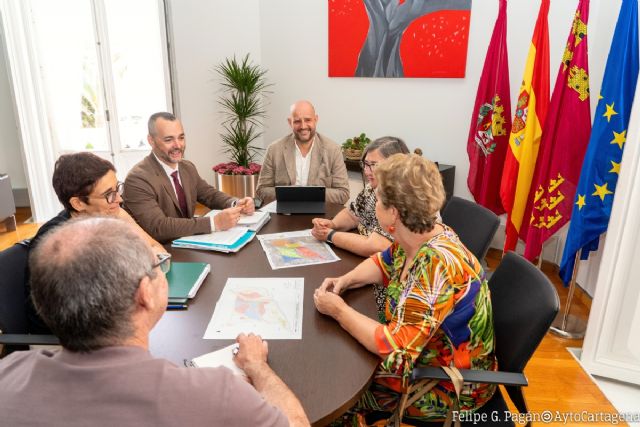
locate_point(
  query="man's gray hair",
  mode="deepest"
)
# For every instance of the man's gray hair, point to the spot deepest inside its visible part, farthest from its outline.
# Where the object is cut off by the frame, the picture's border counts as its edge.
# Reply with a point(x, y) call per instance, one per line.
point(84, 277)
point(151, 124)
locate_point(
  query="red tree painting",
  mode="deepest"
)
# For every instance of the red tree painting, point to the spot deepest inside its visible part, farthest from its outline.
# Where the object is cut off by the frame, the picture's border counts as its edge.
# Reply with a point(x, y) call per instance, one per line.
point(398, 38)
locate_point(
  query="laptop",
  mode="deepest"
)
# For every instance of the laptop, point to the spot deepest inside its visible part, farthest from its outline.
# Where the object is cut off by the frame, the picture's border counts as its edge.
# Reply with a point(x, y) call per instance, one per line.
point(292, 199)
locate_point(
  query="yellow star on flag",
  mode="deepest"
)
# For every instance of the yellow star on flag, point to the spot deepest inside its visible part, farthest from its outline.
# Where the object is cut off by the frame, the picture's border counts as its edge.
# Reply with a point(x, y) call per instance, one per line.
point(615, 167)
point(619, 138)
point(600, 97)
point(581, 201)
point(610, 112)
point(601, 191)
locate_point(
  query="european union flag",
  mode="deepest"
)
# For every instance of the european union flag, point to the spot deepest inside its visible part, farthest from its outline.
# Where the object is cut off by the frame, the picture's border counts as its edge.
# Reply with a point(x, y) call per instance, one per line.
point(601, 167)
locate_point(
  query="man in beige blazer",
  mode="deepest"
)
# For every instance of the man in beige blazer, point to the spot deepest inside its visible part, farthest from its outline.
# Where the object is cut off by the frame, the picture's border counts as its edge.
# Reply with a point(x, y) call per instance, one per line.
point(161, 191)
point(304, 157)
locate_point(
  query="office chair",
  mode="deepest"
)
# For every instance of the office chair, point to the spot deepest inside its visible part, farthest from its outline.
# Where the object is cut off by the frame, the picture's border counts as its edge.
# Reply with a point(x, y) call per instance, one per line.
point(14, 323)
point(524, 305)
point(474, 224)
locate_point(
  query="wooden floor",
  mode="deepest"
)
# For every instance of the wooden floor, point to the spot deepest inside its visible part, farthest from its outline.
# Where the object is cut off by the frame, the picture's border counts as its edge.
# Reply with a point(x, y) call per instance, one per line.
point(557, 382)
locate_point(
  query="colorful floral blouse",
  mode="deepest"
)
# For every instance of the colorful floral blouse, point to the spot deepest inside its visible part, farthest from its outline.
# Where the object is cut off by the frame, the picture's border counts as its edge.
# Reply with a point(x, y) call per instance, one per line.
point(439, 315)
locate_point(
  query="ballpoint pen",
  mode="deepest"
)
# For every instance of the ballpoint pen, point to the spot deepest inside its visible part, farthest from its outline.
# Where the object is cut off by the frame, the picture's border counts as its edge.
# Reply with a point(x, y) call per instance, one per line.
point(177, 306)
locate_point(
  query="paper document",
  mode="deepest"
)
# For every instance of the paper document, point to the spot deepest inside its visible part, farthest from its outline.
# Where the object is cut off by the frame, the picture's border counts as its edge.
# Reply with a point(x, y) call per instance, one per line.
point(254, 222)
point(270, 207)
point(222, 357)
point(295, 249)
point(269, 307)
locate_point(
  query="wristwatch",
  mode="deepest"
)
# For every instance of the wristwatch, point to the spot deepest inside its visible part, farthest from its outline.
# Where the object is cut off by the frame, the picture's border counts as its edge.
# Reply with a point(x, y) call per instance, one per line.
point(330, 236)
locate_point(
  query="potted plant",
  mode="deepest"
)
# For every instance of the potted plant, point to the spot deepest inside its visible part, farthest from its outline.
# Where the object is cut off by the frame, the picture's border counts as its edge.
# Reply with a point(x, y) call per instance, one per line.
point(243, 108)
point(352, 147)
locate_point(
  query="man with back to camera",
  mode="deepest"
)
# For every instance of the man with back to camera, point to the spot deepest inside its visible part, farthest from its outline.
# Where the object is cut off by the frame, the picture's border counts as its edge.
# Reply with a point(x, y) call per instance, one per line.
point(101, 289)
point(304, 157)
point(161, 191)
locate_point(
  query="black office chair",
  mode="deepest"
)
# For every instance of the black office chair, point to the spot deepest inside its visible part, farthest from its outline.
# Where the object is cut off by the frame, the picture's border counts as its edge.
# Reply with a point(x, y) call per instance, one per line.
point(524, 305)
point(14, 324)
point(474, 224)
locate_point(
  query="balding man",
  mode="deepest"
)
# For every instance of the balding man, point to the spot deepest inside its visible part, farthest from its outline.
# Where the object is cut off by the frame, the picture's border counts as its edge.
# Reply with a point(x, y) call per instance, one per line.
point(101, 289)
point(304, 157)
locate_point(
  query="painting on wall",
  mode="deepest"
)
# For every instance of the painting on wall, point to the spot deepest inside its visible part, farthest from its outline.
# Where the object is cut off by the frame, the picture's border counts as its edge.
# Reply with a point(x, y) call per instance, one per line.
point(398, 38)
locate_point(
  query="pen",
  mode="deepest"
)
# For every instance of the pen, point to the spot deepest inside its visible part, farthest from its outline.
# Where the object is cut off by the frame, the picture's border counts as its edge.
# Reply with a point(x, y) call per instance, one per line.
point(177, 306)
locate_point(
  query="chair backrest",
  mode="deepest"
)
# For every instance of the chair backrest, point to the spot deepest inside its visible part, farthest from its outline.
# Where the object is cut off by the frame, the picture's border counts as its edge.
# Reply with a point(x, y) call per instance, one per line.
point(13, 266)
point(474, 224)
point(524, 304)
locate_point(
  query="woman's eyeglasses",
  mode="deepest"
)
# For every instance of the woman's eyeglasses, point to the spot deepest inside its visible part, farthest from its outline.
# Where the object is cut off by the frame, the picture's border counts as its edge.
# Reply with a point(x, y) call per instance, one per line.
point(371, 165)
point(112, 195)
point(164, 262)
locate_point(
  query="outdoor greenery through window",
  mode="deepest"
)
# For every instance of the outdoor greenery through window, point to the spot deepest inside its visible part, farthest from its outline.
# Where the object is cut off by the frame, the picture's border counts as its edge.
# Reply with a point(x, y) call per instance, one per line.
point(104, 70)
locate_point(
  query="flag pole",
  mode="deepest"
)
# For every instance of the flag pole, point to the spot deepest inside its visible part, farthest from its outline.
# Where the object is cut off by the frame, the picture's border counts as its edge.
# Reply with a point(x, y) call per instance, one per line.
point(578, 325)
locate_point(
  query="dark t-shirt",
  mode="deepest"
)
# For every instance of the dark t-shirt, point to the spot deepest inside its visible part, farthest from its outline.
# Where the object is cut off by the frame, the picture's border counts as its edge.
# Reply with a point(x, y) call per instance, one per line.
point(36, 325)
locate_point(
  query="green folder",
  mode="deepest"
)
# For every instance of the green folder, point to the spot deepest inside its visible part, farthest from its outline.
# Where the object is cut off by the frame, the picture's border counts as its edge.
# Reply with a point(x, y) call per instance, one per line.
point(185, 278)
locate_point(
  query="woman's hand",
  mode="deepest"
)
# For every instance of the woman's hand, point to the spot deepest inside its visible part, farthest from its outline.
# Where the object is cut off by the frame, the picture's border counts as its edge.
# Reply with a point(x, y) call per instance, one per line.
point(328, 302)
point(337, 285)
point(321, 228)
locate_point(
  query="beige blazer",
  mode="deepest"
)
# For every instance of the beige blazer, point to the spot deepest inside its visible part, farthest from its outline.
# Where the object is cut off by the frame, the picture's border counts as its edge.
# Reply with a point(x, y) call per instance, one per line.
point(327, 168)
point(151, 200)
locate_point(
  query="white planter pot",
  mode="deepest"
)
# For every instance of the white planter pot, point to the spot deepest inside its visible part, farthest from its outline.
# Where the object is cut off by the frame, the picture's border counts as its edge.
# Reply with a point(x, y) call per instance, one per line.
point(237, 185)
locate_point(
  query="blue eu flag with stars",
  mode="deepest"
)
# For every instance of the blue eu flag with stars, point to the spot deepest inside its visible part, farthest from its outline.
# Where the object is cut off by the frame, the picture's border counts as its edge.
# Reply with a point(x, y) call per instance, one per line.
point(601, 167)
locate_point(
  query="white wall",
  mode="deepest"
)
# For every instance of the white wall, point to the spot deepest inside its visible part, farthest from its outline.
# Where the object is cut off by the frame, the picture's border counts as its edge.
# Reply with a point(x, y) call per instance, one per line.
point(289, 38)
point(10, 155)
point(204, 34)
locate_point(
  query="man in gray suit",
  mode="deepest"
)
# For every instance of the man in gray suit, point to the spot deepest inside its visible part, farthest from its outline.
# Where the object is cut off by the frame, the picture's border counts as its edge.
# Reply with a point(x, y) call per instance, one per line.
point(161, 191)
point(304, 157)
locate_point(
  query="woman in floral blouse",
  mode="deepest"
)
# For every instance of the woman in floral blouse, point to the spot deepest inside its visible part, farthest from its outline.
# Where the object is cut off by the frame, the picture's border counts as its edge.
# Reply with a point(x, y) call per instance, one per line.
point(438, 307)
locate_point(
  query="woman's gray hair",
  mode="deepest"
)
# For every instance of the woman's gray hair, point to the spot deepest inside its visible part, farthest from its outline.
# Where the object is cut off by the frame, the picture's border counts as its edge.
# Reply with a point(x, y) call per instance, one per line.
point(387, 146)
point(84, 277)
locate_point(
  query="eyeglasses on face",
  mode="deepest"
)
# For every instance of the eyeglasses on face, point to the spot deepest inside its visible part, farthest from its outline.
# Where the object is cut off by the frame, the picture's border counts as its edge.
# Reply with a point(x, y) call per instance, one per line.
point(112, 195)
point(164, 262)
point(371, 165)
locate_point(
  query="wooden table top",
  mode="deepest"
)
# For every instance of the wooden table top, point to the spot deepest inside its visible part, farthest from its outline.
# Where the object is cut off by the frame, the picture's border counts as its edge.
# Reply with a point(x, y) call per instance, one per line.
point(327, 370)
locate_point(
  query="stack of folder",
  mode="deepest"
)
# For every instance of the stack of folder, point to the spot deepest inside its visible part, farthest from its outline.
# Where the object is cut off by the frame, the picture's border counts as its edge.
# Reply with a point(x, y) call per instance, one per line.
point(185, 278)
point(231, 240)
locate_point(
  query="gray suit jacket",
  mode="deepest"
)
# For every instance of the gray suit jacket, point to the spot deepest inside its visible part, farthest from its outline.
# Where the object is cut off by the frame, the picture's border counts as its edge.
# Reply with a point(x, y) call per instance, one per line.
point(327, 168)
point(151, 200)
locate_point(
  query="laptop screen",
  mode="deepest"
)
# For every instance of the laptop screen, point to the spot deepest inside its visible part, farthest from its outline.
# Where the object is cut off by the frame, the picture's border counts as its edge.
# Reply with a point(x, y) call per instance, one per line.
point(293, 193)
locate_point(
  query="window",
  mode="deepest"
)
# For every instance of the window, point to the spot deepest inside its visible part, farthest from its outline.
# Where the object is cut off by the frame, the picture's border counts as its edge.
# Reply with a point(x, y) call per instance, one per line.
point(104, 71)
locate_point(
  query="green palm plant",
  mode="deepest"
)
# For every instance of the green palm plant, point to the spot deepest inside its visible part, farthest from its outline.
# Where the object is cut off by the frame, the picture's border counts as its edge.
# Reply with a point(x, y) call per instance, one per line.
point(243, 108)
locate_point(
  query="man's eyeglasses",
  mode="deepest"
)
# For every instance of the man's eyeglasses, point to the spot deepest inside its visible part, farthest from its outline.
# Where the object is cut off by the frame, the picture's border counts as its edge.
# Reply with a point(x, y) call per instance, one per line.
point(164, 262)
point(371, 165)
point(112, 195)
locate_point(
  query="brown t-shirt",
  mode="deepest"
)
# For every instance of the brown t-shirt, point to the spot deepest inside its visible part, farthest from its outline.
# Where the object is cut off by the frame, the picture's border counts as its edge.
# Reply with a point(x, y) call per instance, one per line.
point(124, 386)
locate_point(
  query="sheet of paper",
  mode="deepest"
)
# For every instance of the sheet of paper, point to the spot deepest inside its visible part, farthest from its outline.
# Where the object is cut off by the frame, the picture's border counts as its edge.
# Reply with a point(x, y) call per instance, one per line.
point(295, 249)
point(270, 207)
point(254, 218)
point(222, 357)
point(228, 237)
point(270, 307)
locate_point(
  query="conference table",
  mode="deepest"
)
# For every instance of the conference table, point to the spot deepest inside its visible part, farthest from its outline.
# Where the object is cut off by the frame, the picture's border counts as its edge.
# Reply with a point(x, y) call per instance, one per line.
point(327, 369)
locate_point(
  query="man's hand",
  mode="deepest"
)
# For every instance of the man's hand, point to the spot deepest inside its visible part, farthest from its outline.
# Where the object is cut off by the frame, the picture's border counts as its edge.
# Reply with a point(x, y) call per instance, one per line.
point(252, 352)
point(227, 218)
point(321, 228)
point(247, 205)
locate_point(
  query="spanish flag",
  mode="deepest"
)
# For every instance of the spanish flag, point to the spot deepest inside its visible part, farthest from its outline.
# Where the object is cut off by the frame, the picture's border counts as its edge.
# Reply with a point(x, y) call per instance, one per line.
point(526, 131)
point(490, 121)
point(564, 141)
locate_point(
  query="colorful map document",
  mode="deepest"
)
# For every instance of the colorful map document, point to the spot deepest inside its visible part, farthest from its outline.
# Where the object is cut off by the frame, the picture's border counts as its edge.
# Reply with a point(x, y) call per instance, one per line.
point(295, 249)
point(269, 307)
